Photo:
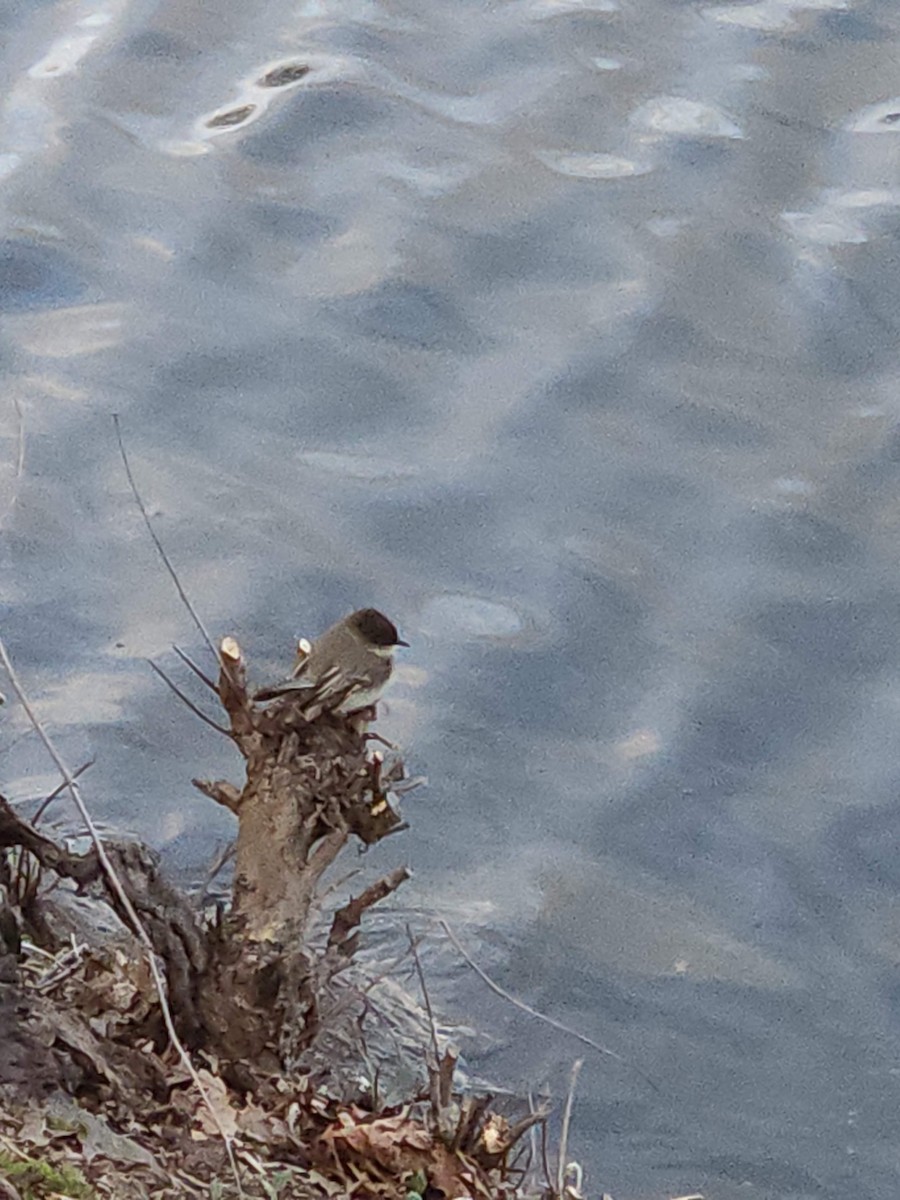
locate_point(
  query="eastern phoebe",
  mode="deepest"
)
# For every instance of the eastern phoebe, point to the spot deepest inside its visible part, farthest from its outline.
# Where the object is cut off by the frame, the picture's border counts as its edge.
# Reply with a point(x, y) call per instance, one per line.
point(347, 667)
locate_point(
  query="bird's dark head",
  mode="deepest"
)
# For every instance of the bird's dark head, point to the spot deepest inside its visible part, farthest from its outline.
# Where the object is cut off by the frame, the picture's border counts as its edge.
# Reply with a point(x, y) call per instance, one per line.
point(375, 629)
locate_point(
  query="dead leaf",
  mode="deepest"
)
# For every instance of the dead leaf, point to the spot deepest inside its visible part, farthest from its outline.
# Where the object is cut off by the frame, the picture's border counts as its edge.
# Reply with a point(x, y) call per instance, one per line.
point(495, 1134)
point(217, 1100)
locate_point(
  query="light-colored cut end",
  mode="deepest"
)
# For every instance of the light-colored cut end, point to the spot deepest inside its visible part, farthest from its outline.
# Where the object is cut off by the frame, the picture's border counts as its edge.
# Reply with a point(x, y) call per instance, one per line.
point(229, 648)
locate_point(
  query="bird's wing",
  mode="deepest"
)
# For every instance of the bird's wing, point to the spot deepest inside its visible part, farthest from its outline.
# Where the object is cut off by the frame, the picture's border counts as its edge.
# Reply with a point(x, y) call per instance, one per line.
point(284, 689)
point(330, 691)
point(297, 681)
point(317, 694)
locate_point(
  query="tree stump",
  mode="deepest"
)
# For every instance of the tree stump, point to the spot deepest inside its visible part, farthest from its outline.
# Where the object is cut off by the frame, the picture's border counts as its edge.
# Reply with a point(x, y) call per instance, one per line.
point(310, 787)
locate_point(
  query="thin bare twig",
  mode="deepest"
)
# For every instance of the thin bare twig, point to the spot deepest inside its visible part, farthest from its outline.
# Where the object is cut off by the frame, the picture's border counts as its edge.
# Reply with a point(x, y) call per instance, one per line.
point(545, 1157)
point(189, 662)
point(533, 1012)
point(421, 974)
point(564, 1135)
point(532, 1132)
point(31, 948)
point(123, 898)
point(198, 712)
point(224, 856)
point(158, 544)
point(26, 873)
point(221, 791)
point(64, 965)
point(58, 789)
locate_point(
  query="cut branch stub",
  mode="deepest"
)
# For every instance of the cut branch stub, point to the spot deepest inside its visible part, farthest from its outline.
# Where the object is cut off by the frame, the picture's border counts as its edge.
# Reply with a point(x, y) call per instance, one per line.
point(346, 919)
point(221, 791)
point(310, 785)
point(233, 690)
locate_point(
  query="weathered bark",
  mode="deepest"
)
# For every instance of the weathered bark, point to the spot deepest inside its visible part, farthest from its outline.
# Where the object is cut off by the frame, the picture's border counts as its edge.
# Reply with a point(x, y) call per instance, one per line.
point(174, 927)
point(310, 786)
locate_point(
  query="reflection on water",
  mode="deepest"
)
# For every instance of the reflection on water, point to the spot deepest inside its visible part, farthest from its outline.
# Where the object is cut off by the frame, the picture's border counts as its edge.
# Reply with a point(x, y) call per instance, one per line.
point(566, 333)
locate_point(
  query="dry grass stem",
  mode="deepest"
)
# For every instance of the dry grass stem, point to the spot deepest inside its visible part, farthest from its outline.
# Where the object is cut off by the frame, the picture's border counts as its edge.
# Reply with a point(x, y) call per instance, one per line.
point(562, 1166)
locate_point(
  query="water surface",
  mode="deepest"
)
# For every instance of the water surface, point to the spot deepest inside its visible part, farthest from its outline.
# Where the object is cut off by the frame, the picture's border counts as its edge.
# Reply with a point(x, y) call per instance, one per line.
point(566, 332)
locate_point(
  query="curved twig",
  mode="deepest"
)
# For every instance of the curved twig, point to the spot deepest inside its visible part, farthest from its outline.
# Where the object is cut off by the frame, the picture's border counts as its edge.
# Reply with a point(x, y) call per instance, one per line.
point(198, 712)
point(533, 1012)
point(157, 543)
point(189, 662)
point(58, 789)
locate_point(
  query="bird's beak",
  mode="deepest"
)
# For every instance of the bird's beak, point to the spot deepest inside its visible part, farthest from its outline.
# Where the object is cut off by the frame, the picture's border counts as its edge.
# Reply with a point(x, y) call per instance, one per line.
point(400, 642)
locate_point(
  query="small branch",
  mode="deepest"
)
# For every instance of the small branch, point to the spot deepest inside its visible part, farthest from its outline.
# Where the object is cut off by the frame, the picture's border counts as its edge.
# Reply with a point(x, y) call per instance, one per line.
point(186, 700)
point(232, 690)
point(221, 791)
point(347, 919)
point(441, 1081)
point(58, 790)
point(472, 1110)
point(451, 1124)
point(545, 1158)
point(189, 662)
point(16, 831)
point(156, 542)
point(225, 855)
point(422, 984)
point(372, 736)
point(526, 1123)
point(532, 1132)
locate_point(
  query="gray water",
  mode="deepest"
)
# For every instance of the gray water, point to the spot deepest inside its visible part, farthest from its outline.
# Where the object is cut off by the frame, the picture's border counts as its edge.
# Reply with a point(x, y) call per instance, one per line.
point(566, 333)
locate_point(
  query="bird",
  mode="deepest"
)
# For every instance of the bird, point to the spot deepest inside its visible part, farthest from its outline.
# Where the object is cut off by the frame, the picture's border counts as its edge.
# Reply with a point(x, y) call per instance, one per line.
point(346, 669)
